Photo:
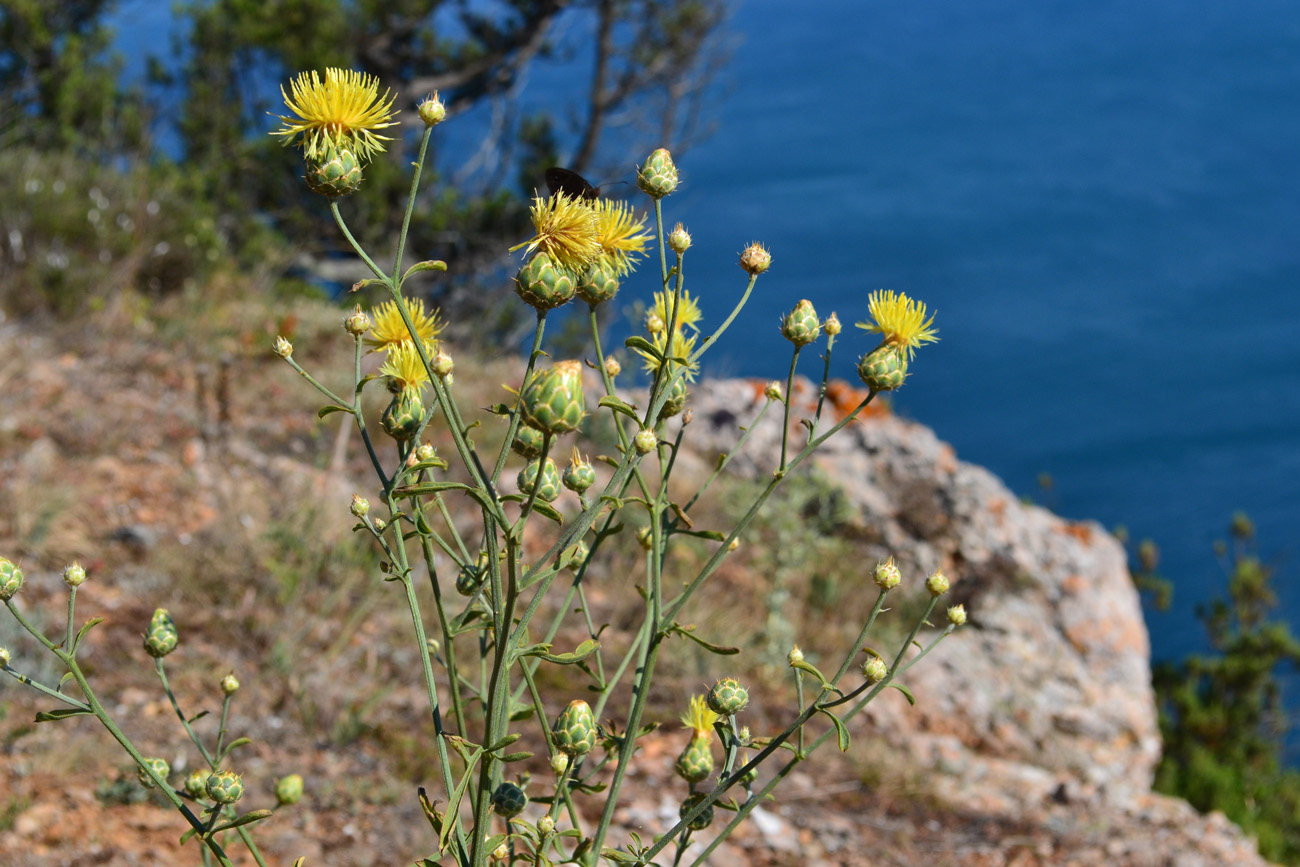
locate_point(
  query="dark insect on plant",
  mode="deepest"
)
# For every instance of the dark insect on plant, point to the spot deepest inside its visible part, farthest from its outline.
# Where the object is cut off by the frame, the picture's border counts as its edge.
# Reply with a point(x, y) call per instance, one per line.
point(570, 183)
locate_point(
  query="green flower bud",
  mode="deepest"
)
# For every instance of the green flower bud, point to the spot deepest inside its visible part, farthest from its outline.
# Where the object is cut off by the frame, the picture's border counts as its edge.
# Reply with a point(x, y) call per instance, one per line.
point(74, 575)
point(282, 347)
point(574, 730)
point(747, 779)
point(288, 790)
point(937, 584)
point(800, 325)
point(654, 323)
point(645, 441)
point(773, 390)
point(543, 283)
point(755, 259)
point(575, 555)
point(645, 538)
point(676, 400)
point(425, 452)
point(11, 579)
point(4, 657)
point(527, 442)
point(696, 761)
point(162, 637)
point(679, 240)
point(196, 784)
point(159, 767)
point(728, 697)
point(501, 853)
point(225, 787)
point(559, 763)
point(509, 800)
point(957, 615)
point(229, 684)
point(794, 656)
point(612, 367)
point(832, 325)
point(442, 364)
point(470, 577)
point(887, 575)
point(334, 174)
point(552, 401)
point(703, 820)
point(360, 506)
point(580, 475)
point(874, 669)
point(598, 284)
point(545, 825)
point(403, 416)
point(357, 323)
point(545, 477)
point(431, 110)
point(657, 176)
point(883, 368)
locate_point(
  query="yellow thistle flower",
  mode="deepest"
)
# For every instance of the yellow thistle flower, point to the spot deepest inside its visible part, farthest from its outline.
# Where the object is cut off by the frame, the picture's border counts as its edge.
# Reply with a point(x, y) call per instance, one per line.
point(900, 320)
point(682, 347)
point(404, 366)
point(567, 230)
point(621, 234)
point(688, 309)
point(341, 112)
point(389, 329)
point(698, 718)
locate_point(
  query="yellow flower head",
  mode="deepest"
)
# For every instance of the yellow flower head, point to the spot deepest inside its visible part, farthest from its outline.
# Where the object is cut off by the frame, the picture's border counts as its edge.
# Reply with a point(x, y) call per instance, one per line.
point(621, 234)
point(341, 112)
point(389, 329)
point(404, 366)
point(698, 717)
point(567, 230)
point(688, 310)
point(900, 320)
point(682, 347)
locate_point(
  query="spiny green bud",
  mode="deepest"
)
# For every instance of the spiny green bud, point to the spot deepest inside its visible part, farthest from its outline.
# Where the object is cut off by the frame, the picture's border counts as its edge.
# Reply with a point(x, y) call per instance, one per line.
point(11, 579)
point(703, 820)
point(645, 538)
point(645, 441)
point(598, 284)
point(612, 367)
point(696, 760)
point(679, 240)
point(657, 176)
point(431, 110)
point(654, 323)
point(883, 368)
point(404, 414)
point(442, 364)
point(801, 325)
point(288, 790)
point(552, 401)
point(832, 325)
point(334, 174)
point(545, 477)
point(874, 669)
point(957, 615)
point(380, 524)
point(747, 779)
point(734, 544)
point(360, 506)
point(794, 656)
point(545, 825)
point(74, 575)
point(426, 452)
point(755, 259)
point(4, 657)
point(470, 577)
point(225, 787)
point(158, 766)
point(162, 637)
point(676, 400)
point(509, 800)
point(937, 584)
point(543, 283)
point(575, 555)
point(357, 323)
point(575, 729)
point(773, 390)
point(527, 442)
point(282, 347)
point(580, 475)
point(196, 784)
point(887, 575)
point(728, 697)
point(559, 763)
point(501, 853)
point(229, 684)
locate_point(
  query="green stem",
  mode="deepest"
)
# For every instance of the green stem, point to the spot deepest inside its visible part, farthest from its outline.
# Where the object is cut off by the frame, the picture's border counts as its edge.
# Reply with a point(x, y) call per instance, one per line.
point(185, 724)
point(789, 399)
point(518, 407)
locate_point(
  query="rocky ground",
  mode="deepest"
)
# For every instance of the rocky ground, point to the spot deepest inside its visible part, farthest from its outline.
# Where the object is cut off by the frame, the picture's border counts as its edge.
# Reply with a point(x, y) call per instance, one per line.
point(175, 476)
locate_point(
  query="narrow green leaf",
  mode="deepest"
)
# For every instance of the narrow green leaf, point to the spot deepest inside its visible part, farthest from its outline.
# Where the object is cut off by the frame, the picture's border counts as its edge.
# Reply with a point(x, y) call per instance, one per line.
point(90, 624)
point(198, 716)
point(504, 742)
point(430, 488)
point(369, 281)
point(840, 730)
point(427, 265)
point(515, 757)
point(907, 693)
point(549, 511)
point(617, 405)
point(711, 535)
point(60, 713)
point(332, 408)
point(688, 632)
point(247, 818)
point(619, 857)
point(637, 342)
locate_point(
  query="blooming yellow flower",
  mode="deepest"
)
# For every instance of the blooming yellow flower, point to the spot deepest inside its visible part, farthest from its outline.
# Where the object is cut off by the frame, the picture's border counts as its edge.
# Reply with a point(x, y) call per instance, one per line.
point(900, 320)
point(621, 234)
point(340, 113)
point(389, 329)
point(682, 347)
point(688, 309)
point(404, 367)
point(698, 718)
point(567, 230)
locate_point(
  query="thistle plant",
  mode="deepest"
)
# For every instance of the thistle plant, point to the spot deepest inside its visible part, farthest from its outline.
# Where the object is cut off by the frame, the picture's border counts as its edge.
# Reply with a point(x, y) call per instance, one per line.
point(526, 772)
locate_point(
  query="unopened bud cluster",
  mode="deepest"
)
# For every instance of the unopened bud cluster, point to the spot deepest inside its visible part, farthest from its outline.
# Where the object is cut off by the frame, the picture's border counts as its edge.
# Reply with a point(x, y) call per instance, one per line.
point(74, 575)
point(887, 575)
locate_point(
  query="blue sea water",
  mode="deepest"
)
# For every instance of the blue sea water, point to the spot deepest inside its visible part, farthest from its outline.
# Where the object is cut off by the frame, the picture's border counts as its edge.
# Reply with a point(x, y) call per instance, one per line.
point(1100, 200)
